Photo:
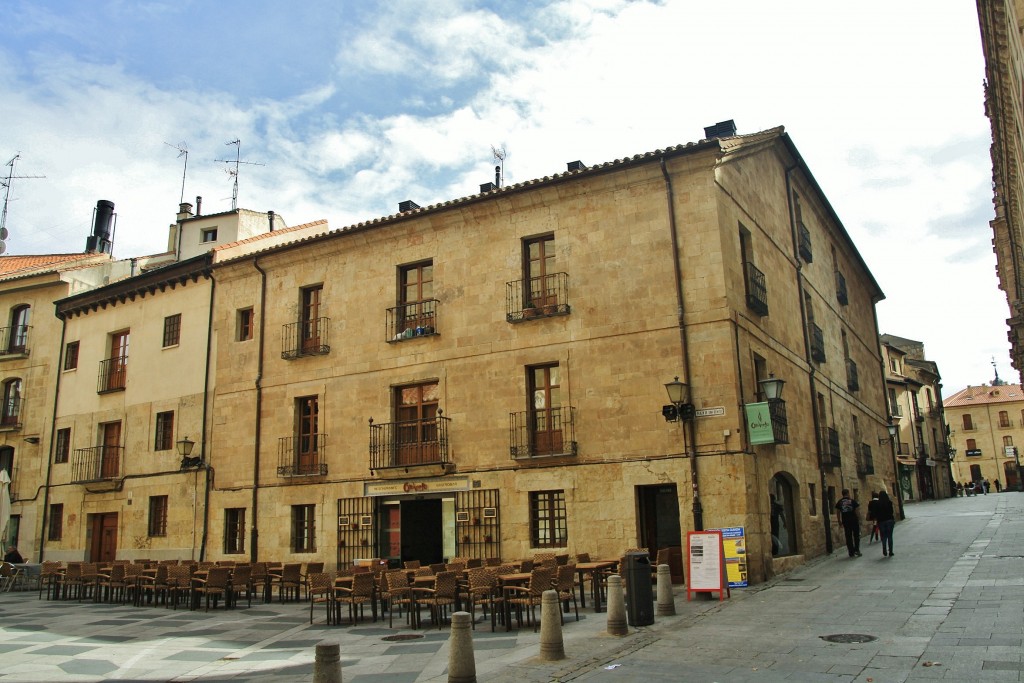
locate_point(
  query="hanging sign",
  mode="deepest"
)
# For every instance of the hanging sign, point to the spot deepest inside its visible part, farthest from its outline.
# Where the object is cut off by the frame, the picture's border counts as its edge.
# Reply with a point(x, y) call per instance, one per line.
point(759, 423)
point(705, 555)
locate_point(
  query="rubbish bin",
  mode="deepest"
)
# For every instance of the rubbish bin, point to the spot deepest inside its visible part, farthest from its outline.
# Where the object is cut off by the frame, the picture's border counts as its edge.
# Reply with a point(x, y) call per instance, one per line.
point(636, 574)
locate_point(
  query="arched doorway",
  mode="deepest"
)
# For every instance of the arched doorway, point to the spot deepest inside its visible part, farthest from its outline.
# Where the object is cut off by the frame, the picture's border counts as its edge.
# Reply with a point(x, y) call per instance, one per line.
point(782, 514)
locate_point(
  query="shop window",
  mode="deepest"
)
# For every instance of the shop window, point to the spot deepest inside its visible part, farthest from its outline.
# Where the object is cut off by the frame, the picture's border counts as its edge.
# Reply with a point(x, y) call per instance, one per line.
point(547, 519)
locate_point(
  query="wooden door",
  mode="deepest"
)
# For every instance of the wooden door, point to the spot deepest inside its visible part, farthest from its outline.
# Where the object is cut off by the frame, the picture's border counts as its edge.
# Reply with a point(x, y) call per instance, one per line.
point(416, 290)
point(103, 548)
point(110, 456)
point(545, 410)
point(310, 318)
point(540, 269)
point(307, 451)
point(416, 424)
point(117, 370)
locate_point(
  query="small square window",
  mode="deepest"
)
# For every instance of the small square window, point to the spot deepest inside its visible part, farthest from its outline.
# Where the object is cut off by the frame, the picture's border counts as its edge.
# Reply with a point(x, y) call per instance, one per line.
point(208, 235)
point(62, 447)
point(71, 355)
point(244, 324)
point(172, 330)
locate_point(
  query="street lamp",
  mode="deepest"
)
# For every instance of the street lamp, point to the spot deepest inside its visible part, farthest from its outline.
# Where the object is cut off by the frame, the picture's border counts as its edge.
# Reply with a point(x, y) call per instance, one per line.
point(185, 447)
point(894, 434)
point(772, 387)
point(681, 409)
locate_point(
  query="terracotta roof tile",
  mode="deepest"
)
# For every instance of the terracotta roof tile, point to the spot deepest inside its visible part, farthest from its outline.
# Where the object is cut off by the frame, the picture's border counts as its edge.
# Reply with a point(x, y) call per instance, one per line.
point(14, 264)
point(1006, 393)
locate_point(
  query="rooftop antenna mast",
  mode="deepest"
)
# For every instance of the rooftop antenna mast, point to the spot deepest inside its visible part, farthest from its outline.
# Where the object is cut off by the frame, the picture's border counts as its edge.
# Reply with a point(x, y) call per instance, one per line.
point(182, 148)
point(6, 183)
point(234, 172)
point(499, 170)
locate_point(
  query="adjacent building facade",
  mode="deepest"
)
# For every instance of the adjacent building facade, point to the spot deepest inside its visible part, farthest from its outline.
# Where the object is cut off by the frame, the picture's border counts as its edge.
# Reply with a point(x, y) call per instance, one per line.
point(986, 426)
point(486, 377)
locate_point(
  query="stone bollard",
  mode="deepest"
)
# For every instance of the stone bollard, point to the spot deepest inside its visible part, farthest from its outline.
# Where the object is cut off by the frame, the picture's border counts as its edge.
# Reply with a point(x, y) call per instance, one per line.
point(327, 665)
point(461, 662)
point(616, 607)
point(666, 601)
point(551, 646)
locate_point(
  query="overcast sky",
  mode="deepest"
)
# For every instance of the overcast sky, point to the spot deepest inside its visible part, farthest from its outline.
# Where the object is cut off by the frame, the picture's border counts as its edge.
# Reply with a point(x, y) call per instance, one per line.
point(352, 107)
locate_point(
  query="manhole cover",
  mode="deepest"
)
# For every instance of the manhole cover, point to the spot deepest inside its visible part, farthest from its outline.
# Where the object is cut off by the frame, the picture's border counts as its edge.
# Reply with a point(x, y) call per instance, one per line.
point(849, 638)
point(403, 636)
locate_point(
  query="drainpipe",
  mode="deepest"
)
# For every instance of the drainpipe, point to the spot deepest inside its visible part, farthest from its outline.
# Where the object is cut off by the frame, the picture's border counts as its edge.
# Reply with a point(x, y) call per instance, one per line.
point(255, 538)
point(689, 433)
point(206, 405)
point(53, 431)
point(826, 514)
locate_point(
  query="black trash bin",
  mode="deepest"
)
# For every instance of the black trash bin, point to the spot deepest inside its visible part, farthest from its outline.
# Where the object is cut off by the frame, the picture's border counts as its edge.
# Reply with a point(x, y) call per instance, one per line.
point(636, 575)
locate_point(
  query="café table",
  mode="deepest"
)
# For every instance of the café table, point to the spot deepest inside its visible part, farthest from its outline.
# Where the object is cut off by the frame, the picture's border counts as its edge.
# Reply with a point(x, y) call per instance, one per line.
point(595, 569)
point(505, 580)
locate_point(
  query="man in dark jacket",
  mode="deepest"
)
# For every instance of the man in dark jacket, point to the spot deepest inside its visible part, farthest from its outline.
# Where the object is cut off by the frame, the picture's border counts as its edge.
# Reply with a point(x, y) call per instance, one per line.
point(846, 510)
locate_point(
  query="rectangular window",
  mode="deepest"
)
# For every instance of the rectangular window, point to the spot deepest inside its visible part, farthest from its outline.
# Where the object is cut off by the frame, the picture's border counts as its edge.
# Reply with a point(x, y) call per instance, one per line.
point(547, 519)
point(158, 515)
point(71, 355)
point(545, 409)
point(163, 438)
point(540, 267)
point(62, 446)
point(415, 296)
point(309, 318)
point(968, 422)
point(56, 526)
point(244, 324)
point(303, 529)
point(1004, 419)
point(416, 409)
point(234, 531)
point(307, 431)
point(172, 330)
point(812, 500)
point(1007, 441)
point(208, 235)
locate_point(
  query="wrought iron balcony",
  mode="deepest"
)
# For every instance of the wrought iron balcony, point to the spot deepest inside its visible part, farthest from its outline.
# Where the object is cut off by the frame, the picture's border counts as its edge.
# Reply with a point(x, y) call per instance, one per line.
point(817, 342)
point(113, 374)
point(96, 464)
point(852, 381)
point(305, 338)
point(543, 433)
point(408, 321)
point(757, 291)
point(10, 417)
point(780, 423)
point(538, 297)
point(409, 443)
point(804, 242)
point(835, 460)
point(841, 295)
point(865, 461)
point(14, 340)
point(302, 456)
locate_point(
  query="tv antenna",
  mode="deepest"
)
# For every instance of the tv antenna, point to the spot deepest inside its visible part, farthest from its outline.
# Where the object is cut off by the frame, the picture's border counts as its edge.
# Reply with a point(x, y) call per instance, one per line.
point(234, 172)
point(499, 170)
point(6, 184)
point(182, 148)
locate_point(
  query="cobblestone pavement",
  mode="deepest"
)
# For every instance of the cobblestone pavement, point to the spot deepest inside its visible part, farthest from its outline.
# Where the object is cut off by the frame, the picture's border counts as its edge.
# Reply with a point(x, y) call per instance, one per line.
point(949, 605)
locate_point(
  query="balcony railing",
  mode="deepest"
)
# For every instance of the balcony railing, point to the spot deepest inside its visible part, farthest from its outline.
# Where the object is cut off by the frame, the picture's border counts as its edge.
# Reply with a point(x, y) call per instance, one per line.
point(835, 460)
point(896, 411)
point(841, 295)
point(817, 342)
point(865, 461)
point(14, 340)
point(780, 423)
point(302, 456)
point(757, 291)
point(408, 321)
point(852, 381)
point(804, 242)
point(305, 338)
point(10, 417)
point(113, 374)
point(543, 433)
point(96, 464)
point(409, 443)
point(538, 297)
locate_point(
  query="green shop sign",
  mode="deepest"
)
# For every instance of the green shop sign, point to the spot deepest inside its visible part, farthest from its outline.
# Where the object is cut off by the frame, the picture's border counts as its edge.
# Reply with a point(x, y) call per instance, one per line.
point(759, 423)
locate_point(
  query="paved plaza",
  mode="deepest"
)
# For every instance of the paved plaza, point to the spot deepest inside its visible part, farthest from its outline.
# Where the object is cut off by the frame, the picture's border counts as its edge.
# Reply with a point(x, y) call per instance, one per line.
point(949, 605)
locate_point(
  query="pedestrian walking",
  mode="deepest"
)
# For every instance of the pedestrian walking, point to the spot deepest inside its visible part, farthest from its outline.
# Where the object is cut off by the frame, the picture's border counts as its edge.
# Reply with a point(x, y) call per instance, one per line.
point(846, 510)
point(999, 486)
point(872, 519)
point(985, 486)
point(886, 519)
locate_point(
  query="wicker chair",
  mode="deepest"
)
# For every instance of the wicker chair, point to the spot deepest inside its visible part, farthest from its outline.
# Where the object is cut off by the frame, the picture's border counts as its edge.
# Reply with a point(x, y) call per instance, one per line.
point(241, 582)
point(261, 580)
point(291, 582)
point(438, 598)
point(482, 590)
point(397, 593)
point(565, 584)
point(311, 568)
point(411, 564)
point(215, 585)
point(87, 579)
point(50, 575)
point(153, 586)
point(527, 598)
point(179, 583)
point(321, 592)
point(361, 592)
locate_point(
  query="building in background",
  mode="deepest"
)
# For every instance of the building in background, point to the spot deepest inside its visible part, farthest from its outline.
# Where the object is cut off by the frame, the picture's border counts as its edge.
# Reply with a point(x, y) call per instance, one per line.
point(914, 391)
point(986, 426)
point(1003, 48)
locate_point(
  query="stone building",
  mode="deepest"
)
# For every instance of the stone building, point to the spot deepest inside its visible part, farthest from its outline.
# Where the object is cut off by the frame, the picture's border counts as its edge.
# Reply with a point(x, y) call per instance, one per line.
point(986, 426)
point(486, 376)
point(1003, 48)
point(914, 391)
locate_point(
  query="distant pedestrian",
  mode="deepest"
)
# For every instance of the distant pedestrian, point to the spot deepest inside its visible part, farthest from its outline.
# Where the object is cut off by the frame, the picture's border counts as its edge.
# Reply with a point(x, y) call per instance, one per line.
point(872, 518)
point(960, 489)
point(846, 510)
point(985, 486)
point(886, 519)
point(999, 486)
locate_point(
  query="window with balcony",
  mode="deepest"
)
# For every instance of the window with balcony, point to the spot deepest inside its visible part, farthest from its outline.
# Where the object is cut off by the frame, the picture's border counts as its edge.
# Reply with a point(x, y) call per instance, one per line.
point(302, 454)
point(546, 428)
point(55, 523)
point(114, 369)
point(417, 436)
point(303, 529)
point(894, 406)
point(62, 445)
point(100, 462)
point(234, 531)
point(415, 314)
point(163, 432)
point(10, 412)
point(172, 330)
point(548, 527)
point(1007, 441)
point(71, 355)
point(16, 336)
point(307, 336)
point(972, 450)
point(753, 279)
point(157, 516)
point(544, 290)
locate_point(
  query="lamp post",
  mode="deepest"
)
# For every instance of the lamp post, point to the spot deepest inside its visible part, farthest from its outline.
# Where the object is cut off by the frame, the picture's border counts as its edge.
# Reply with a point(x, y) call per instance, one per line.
point(894, 431)
point(683, 410)
point(185, 447)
